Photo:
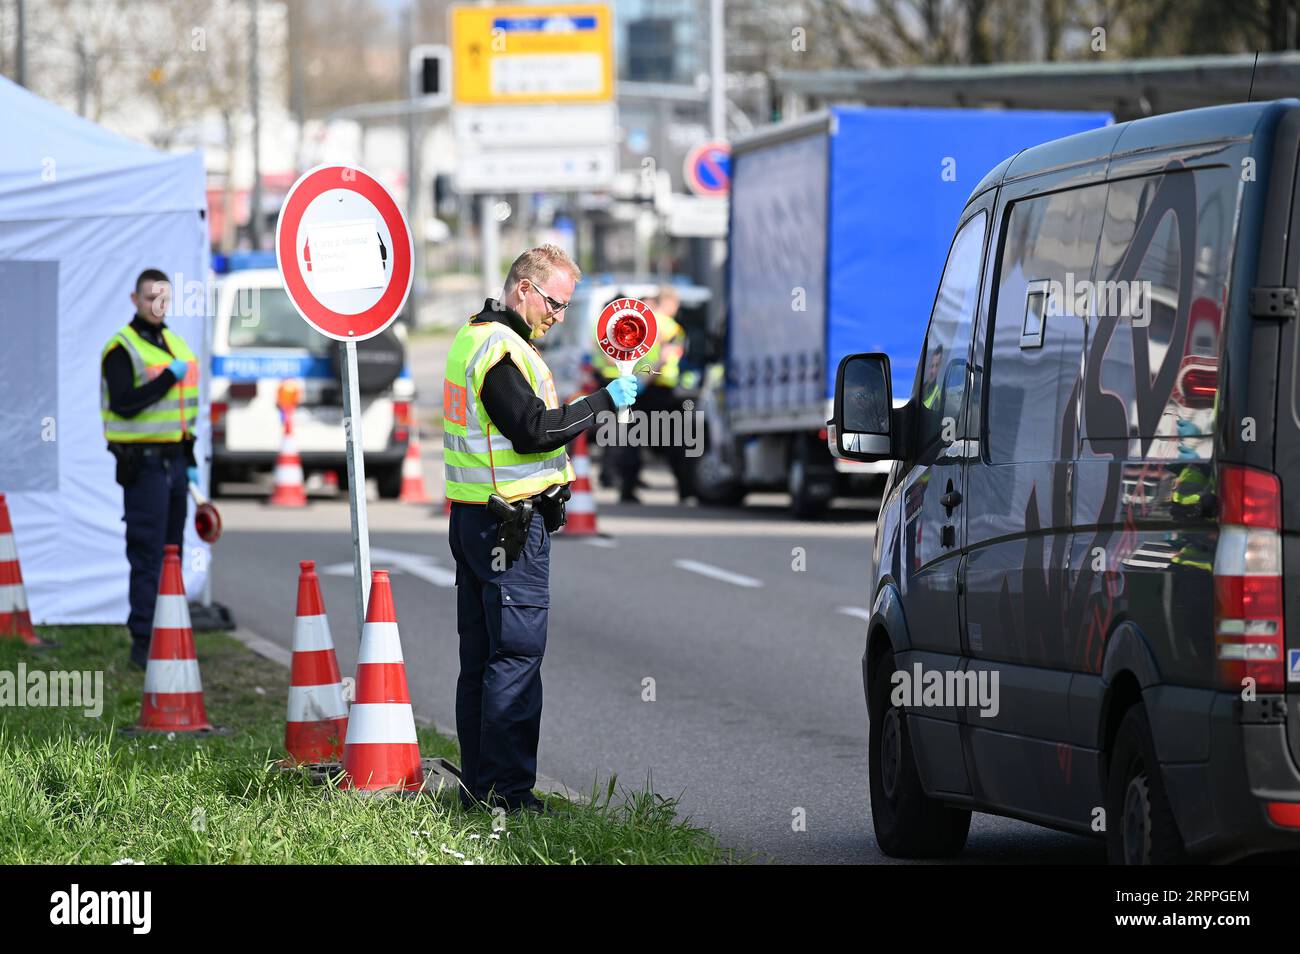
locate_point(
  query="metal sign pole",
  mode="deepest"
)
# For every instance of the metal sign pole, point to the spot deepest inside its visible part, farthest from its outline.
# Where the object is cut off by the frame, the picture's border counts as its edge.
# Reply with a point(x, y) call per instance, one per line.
point(356, 483)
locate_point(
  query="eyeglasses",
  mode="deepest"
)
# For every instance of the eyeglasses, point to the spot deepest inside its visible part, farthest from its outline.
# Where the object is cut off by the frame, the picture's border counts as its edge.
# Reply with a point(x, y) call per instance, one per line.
point(556, 306)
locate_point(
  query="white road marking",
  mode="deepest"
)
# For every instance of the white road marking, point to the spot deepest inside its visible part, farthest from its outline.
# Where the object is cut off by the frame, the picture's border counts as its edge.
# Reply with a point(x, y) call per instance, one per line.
point(605, 542)
point(417, 564)
point(717, 573)
point(855, 611)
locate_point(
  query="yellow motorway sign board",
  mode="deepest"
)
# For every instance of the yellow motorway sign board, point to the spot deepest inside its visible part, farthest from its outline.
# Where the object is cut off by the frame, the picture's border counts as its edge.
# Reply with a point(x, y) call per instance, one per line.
point(561, 53)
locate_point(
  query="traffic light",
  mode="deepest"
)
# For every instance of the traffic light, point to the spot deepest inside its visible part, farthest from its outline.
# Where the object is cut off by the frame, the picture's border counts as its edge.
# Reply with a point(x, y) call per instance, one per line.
point(430, 67)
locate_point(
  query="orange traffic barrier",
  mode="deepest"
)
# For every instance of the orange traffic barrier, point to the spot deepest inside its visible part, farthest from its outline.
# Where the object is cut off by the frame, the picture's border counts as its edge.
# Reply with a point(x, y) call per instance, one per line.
point(413, 489)
point(289, 490)
point(581, 508)
point(15, 619)
point(317, 722)
point(381, 753)
point(173, 691)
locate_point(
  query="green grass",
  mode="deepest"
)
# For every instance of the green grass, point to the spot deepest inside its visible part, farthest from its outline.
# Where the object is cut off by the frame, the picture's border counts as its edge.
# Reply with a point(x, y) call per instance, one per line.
point(74, 790)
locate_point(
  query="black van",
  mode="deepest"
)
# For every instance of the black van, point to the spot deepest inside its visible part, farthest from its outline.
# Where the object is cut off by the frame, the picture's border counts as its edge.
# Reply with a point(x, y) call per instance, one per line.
point(1079, 609)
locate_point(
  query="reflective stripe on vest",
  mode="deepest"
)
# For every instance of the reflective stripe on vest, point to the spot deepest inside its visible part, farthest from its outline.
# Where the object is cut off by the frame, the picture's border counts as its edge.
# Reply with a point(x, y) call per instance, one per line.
point(171, 417)
point(478, 459)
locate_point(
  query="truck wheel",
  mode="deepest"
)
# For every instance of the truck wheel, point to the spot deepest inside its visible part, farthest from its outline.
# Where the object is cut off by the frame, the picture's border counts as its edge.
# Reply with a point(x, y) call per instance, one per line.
point(908, 823)
point(1140, 825)
point(714, 483)
point(811, 486)
point(389, 481)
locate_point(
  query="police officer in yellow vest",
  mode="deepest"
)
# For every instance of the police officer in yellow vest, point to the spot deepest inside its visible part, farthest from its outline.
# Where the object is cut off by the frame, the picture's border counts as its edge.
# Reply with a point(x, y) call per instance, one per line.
point(504, 434)
point(149, 402)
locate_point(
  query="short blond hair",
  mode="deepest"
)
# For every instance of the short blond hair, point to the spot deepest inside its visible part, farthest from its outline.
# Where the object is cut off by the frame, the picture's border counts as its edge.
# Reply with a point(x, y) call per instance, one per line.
point(540, 263)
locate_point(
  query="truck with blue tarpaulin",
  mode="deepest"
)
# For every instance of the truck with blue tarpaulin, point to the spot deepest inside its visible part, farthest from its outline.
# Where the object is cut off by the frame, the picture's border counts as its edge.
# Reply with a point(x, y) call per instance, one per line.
point(839, 229)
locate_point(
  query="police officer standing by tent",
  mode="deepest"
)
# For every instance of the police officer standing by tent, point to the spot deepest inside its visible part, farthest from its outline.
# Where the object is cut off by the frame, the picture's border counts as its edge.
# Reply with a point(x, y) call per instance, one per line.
point(149, 401)
point(507, 477)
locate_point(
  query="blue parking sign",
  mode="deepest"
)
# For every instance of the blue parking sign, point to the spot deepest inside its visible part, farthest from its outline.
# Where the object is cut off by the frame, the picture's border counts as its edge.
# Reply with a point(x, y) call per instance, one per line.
point(1293, 665)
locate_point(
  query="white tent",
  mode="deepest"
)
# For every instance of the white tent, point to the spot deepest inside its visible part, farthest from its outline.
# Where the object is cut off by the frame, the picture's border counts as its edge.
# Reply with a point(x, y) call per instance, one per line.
point(82, 212)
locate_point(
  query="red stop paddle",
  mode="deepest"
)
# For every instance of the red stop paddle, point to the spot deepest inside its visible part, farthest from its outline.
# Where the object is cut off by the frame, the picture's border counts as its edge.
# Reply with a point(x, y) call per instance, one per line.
point(626, 331)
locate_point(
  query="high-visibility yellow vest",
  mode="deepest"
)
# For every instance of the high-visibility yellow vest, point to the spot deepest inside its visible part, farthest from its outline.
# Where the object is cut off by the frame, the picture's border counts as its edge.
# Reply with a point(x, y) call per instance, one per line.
point(478, 458)
point(171, 418)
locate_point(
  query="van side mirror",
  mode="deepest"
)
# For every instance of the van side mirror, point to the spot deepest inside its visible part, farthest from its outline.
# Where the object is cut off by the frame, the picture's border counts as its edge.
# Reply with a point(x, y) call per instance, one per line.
point(861, 427)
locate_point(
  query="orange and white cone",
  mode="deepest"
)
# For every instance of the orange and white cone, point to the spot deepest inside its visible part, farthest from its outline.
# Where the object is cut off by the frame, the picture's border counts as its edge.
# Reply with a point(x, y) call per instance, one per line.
point(581, 508)
point(173, 691)
point(318, 716)
point(15, 619)
point(413, 489)
point(381, 753)
point(289, 490)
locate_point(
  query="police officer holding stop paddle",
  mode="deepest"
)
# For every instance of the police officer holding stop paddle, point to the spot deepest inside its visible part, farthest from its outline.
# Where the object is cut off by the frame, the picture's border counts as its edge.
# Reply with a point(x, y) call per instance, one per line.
point(504, 434)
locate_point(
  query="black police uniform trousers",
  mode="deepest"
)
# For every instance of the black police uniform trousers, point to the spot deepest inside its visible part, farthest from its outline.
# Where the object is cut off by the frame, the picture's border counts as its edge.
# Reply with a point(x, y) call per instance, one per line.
point(501, 615)
point(155, 509)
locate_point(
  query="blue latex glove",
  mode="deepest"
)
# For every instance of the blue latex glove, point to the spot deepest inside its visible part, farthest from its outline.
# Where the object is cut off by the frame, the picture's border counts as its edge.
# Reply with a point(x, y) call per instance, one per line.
point(192, 475)
point(179, 368)
point(623, 390)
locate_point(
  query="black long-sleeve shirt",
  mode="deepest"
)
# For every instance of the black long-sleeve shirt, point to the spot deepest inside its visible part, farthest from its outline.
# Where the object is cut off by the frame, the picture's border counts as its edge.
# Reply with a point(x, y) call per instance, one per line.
point(519, 414)
point(124, 398)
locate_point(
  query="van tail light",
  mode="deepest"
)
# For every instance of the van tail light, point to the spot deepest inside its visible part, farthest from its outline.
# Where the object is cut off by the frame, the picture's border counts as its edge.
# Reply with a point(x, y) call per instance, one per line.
point(1200, 386)
point(1248, 618)
point(1284, 814)
point(401, 421)
point(217, 416)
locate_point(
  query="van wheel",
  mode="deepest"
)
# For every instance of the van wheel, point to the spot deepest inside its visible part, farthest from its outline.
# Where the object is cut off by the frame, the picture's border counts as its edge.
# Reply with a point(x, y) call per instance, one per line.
point(389, 481)
point(908, 823)
point(1140, 825)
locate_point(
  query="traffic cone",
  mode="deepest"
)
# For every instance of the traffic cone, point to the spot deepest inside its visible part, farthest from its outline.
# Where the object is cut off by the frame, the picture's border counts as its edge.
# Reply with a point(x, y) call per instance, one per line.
point(289, 491)
point(173, 691)
point(413, 489)
point(381, 752)
point(15, 620)
point(581, 508)
point(318, 717)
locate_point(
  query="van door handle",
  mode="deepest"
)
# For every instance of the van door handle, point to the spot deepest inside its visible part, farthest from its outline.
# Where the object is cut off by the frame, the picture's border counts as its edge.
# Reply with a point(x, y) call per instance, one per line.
point(950, 500)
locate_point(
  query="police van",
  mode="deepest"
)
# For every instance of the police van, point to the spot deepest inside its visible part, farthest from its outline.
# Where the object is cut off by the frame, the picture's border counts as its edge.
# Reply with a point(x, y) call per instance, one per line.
point(260, 341)
point(1080, 555)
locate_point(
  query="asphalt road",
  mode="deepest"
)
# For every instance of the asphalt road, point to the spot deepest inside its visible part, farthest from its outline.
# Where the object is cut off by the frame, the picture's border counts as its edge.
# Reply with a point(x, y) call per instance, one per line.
point(758, 707)
point(751, 626)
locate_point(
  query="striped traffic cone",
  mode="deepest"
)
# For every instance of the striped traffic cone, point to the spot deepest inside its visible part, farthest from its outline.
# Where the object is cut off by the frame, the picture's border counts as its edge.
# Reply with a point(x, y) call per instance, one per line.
point(173, 691)
point(318, 716)
point(382, 753)
point(289, 491)
point(15, 619)
point(581, 508)
point(413, 489)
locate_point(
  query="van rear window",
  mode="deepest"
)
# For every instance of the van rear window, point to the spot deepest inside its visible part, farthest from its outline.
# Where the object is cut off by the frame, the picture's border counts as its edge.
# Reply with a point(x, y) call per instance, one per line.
point(265, 318)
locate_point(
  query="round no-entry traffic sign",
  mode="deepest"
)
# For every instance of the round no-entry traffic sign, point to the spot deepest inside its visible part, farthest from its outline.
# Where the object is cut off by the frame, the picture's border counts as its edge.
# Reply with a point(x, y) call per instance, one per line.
point(707, 169)
point(344, 251)
point(626, 329)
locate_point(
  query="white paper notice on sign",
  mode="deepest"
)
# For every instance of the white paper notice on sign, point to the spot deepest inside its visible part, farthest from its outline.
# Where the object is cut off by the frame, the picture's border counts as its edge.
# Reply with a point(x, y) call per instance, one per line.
point(343, 256)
